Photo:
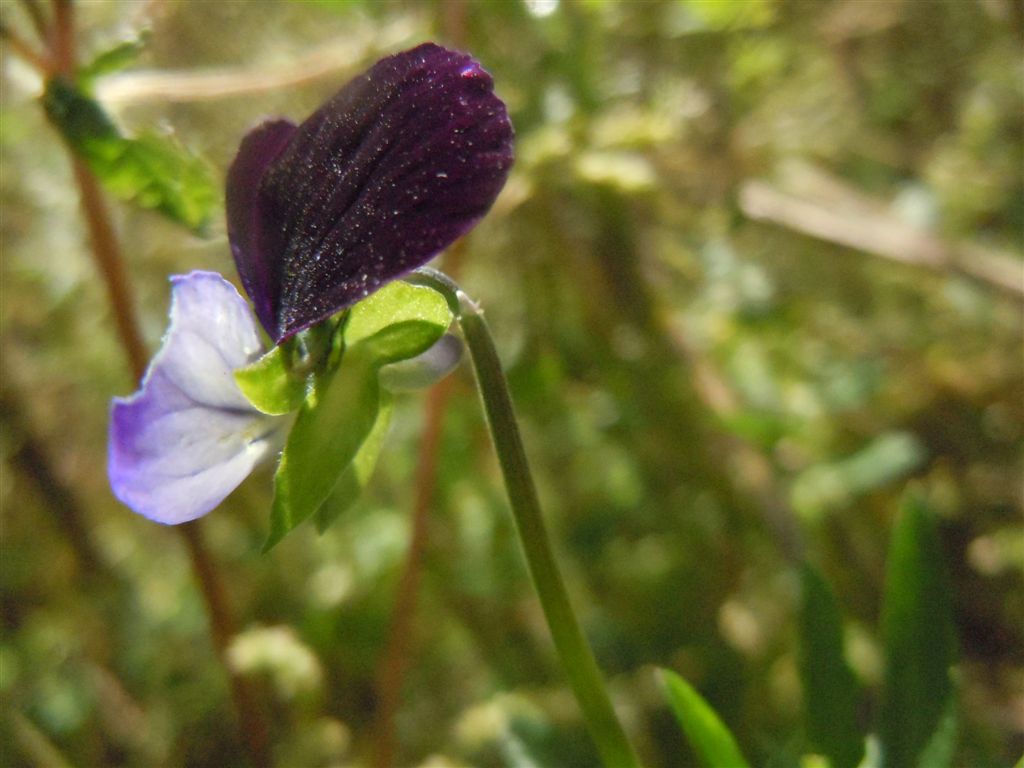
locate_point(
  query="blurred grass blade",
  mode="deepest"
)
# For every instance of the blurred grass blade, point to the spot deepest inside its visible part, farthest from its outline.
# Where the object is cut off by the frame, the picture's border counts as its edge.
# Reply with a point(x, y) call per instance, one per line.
point(917, 626)
point(830, 688)
point(940, 749)
point(710, 739)
point(150, 171)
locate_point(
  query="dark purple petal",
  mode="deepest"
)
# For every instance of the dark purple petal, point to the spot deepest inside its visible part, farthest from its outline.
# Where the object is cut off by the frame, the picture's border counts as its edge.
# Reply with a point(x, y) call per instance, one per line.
point(255, 264)
point(188, 437)
point(402, 161)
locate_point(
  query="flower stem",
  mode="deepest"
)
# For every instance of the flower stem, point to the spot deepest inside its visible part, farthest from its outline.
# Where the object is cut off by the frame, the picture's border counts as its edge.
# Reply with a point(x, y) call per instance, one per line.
point(577, 659)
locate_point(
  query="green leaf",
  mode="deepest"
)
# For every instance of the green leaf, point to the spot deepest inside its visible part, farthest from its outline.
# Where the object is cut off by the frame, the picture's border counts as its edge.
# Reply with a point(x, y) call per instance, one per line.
point(830, 688)
point(122, 55)
point(270, 385)
point(402, 320)
point(920, 646)
point(149, 171)
point(341, 414)
point(357, 474)
point(333, 422)
point(710, 739)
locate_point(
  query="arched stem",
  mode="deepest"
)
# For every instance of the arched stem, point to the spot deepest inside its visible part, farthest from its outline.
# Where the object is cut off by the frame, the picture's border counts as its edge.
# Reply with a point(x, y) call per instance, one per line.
point(577, 659)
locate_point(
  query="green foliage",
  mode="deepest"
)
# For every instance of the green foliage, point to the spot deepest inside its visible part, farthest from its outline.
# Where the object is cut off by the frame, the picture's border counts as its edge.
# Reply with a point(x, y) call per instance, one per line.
point(148, 170)
point(270, 384)
point(707, 734)
point(113, 59)
point(829, 686)
point(917, 627)
point(336, 438)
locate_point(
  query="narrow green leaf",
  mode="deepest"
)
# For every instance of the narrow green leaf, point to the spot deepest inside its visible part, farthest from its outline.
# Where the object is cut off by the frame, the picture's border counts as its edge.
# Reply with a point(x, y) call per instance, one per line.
point(269, 384)
point(150, 171)
point(917, 626)
point(830, 688)
point(709, 737)
point(357, 474)
point(941, 748)
point(332, 425)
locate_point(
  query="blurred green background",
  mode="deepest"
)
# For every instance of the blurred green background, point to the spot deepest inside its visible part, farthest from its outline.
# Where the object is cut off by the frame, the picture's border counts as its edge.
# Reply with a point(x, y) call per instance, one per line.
point(758, 267)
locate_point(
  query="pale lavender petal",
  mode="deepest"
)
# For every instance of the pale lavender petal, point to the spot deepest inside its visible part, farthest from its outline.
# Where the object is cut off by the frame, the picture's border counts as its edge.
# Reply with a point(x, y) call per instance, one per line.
point(188, 437)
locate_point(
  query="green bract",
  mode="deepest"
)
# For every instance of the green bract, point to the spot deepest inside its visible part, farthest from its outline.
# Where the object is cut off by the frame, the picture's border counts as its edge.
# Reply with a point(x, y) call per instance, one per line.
point(343, 416)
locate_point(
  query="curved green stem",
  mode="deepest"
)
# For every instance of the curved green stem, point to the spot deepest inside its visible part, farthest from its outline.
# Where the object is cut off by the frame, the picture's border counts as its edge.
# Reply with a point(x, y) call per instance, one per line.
point(577, 659)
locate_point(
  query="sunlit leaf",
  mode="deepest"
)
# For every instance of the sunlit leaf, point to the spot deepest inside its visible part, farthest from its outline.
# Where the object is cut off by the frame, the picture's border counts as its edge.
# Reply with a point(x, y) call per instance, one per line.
point(150, 171)
point(917, 624)
point(830, 688)
point(707, 734)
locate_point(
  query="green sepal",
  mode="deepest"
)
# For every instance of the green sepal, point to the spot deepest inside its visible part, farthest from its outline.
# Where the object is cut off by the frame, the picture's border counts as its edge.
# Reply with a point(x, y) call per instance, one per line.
point(830, 687)
point(270, 385)
point(341, 412)
point(150, 171)
point(919, 638)
point(359, 471)
point(421, 310)
point(710, 738)
point(333, 422)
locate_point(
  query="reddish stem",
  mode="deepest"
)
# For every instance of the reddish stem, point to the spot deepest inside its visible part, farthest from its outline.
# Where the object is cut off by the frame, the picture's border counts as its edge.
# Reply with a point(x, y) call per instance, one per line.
point(391, 671)
point(107, 253)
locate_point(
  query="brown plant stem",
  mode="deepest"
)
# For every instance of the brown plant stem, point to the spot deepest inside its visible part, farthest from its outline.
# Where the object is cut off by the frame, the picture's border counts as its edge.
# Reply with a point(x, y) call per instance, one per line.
point(35, 13)
point(253, 727)
point(23, 49)
point(107, 253)
point(395, 661)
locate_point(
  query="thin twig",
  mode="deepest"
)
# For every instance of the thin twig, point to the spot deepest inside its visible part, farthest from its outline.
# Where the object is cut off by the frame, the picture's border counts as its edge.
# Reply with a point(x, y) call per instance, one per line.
point(35, 12)
point(253, 727)
point(210, 84)
point(23, 49)
point(882, 235)
point(395, 661)
point(107, 254)
point(62, 37)
point(106, 251)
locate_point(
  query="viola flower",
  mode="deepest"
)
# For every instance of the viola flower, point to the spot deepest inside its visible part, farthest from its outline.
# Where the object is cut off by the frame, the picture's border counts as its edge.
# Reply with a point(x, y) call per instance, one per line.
point(402, 161)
